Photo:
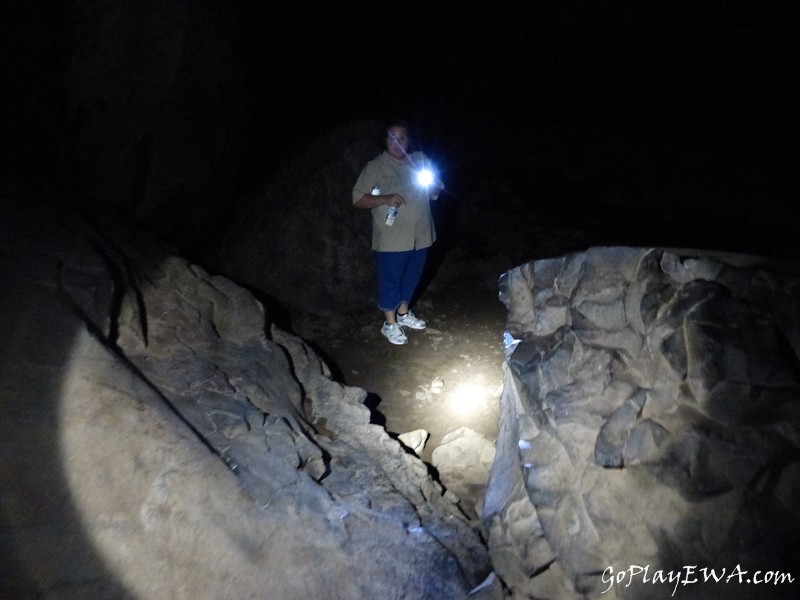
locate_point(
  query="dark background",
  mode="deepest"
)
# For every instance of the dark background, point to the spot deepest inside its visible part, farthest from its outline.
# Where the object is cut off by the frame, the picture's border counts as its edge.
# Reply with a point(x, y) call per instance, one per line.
point(634, 117)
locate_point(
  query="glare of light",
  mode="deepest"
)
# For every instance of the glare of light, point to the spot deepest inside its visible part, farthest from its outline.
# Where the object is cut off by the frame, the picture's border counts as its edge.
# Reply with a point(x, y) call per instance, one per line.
point(425, 177)
point(469, 398)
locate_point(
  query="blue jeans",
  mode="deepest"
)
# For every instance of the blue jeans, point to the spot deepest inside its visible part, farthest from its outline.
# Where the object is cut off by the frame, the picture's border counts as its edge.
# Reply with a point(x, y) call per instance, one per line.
point(399, 273)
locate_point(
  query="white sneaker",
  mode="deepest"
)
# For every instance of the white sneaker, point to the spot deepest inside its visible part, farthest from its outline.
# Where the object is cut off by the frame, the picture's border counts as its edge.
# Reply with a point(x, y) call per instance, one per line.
point(394, 333)
point(409, 320)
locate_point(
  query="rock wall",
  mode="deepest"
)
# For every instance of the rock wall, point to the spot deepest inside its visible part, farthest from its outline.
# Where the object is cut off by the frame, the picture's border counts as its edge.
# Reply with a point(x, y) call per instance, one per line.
point(160, 438)
point(650, 418)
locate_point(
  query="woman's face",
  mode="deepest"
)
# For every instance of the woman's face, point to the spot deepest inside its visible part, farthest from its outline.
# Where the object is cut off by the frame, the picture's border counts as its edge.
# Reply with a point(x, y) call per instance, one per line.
point(397, 143)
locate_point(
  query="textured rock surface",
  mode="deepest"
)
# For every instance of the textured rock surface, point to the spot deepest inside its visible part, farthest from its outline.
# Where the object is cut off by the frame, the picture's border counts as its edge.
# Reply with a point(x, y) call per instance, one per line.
point(651, 417)
point(463, 460)
point(160, 438)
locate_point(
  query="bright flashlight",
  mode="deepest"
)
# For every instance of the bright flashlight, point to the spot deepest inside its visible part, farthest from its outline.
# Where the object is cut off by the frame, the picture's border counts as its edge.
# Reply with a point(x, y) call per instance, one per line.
point(425, 177)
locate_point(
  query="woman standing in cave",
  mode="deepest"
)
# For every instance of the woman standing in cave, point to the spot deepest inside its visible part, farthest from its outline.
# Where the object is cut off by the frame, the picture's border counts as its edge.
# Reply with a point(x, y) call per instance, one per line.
point(404, 182)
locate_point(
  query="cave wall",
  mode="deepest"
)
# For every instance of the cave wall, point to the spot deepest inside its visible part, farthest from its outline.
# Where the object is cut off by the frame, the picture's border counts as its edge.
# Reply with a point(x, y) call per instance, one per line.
point(166, 113)
point(140, 107)
point(649, 417)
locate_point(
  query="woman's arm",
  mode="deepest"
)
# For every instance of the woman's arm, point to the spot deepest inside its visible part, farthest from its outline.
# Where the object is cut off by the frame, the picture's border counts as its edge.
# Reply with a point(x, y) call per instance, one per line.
point(369, 201)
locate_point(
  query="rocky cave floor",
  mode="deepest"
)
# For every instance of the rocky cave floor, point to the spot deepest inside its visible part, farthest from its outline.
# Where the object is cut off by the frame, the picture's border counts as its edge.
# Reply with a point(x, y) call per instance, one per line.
point(449, 376)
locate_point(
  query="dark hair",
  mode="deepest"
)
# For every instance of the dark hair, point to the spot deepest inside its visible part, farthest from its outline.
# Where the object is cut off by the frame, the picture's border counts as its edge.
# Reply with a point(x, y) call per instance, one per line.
point(396, 122)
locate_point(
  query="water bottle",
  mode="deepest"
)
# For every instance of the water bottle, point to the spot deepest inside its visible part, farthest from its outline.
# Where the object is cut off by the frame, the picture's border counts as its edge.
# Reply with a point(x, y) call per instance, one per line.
point(391, 215)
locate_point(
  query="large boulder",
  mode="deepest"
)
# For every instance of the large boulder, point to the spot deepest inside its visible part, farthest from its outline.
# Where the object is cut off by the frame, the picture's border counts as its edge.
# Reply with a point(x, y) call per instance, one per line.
point(159, 437)
point(650, 418)
point(303, 221)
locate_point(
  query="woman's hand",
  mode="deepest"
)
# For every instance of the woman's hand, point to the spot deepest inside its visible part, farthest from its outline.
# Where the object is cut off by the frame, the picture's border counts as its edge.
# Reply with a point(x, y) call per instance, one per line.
point(436, 189)
point(394, 200)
